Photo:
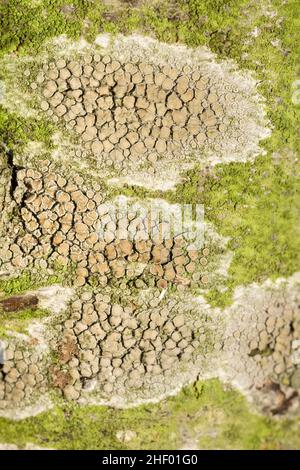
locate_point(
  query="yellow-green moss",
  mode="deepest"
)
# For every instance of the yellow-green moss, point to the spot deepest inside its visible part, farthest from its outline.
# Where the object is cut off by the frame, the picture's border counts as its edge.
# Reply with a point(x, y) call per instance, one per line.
point(257, 206)
point(205, 414)
point(19, 321)
point(29, 281)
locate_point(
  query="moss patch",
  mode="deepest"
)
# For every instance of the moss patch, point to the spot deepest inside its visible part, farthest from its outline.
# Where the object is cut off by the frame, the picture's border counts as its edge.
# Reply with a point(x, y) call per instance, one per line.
point(205, 413)
point(26, 24)
point(256, 205)
point(28, 281)
point(19, 321)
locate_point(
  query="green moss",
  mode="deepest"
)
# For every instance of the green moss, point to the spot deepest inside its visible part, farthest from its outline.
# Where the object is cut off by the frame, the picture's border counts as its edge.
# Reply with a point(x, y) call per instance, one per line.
point(16, 285)
point(26, 24)
point(205, 413)
point(217, 298)
point(19, 321)
point(258, 206)
point(131, 191)
point(27, 314)
point(27, 281)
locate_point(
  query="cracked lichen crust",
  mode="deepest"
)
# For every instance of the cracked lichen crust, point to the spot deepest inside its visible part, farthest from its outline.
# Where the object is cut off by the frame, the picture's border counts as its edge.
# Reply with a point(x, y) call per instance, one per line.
point(126, 354)
point(137, 108)
point(140, 349)
point(262, 344)
point(67, 222)
point(55, 221)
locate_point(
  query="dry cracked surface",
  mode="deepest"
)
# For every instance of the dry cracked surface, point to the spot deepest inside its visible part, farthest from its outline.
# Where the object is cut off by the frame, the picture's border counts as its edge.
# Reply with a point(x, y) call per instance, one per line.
point(132, 112)
point(262, 344)
point(130, 329)
point(134, 117)
point(51, 220)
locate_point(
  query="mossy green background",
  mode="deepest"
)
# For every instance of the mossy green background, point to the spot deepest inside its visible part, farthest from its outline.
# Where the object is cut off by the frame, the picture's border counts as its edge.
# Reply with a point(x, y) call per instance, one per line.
point(257, 205)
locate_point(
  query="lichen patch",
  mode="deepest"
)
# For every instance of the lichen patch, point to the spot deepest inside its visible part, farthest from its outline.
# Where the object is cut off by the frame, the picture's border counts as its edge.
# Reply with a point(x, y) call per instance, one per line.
point(143, 111)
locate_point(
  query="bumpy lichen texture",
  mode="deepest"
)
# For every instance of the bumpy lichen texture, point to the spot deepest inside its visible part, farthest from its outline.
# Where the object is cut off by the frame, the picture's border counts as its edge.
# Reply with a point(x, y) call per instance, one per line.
point(106, 345)
point(139, 108)
point(120, 354)
point(119, 120)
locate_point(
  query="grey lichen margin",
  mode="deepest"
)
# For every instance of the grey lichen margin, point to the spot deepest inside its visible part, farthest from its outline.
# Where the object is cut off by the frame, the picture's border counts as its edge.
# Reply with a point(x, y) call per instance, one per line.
point(246, 114)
